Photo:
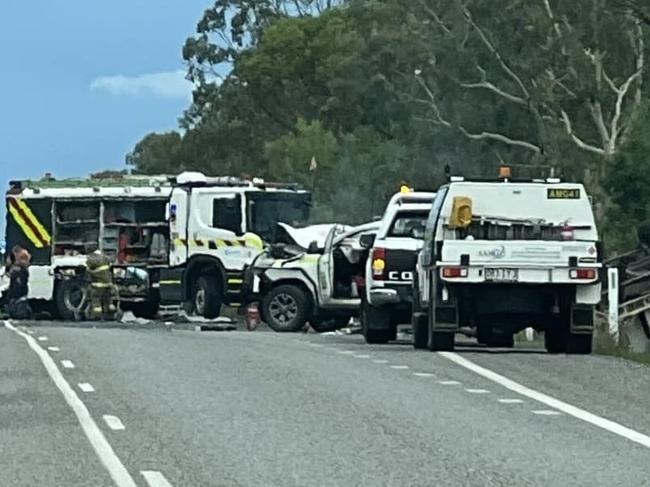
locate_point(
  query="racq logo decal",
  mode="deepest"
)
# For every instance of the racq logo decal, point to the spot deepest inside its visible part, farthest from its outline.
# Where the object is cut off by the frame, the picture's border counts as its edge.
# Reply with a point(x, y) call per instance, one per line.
point(495, 253)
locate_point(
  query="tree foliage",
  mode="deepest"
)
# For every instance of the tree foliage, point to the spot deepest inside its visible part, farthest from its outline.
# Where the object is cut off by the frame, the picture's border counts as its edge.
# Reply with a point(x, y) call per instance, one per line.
point(380, 91)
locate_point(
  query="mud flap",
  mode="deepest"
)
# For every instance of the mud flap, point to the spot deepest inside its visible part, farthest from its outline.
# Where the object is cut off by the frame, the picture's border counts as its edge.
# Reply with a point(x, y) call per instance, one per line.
point(582, 319)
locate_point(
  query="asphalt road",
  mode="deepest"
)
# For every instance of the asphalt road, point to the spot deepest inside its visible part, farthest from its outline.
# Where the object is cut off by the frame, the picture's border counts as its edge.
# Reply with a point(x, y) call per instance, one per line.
point(265, 409)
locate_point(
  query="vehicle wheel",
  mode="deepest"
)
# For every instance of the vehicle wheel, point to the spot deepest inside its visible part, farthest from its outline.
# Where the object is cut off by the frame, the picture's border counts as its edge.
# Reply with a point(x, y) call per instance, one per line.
point(146, 310)
point(207, 297)
point(489, 337)
point(286, 308)
point(70, 299)
point(580, 344)
point(375, 324)
point(555, 340)
point(419, 322)
point(439, 341)
point(329, 324)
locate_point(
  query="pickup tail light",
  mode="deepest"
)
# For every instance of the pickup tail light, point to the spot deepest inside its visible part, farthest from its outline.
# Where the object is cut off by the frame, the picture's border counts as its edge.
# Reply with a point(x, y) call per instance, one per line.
point(378, 263)
point(583, 273)
point(454, 272)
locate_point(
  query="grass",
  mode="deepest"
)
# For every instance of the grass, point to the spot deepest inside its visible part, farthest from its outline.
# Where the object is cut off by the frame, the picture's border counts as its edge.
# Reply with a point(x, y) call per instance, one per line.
point(604, 344)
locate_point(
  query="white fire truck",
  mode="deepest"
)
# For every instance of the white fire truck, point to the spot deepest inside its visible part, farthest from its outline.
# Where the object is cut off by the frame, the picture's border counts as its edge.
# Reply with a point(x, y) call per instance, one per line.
point(174, 241)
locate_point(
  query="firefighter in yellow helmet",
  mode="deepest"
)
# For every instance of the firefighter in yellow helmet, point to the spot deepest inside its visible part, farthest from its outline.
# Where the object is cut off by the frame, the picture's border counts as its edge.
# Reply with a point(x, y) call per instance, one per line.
point(101, 290)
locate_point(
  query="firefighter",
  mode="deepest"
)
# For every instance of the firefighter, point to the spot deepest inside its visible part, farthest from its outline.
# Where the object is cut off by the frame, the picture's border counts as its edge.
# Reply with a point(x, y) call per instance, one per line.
point(101, 286)
point(16, 296)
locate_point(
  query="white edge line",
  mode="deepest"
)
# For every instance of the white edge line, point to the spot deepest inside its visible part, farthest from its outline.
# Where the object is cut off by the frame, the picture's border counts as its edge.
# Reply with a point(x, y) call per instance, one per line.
point(155, 479)
point(98, 441)
point(600, 422)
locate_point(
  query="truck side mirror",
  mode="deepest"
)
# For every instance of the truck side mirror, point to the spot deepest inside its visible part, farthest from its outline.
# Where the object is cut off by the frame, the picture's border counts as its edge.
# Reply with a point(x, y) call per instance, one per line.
point(367, 240)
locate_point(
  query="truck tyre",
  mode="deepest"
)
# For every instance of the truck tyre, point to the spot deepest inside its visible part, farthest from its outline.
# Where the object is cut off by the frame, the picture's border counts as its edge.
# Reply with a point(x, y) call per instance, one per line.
point(207, 297)
point(439, 341)
point(375, 324)
point(329, 324)
point(286, 308)
point(70, 299)
point(485, 335)
point(556, 339)
point(580, 344)
point(419, 322)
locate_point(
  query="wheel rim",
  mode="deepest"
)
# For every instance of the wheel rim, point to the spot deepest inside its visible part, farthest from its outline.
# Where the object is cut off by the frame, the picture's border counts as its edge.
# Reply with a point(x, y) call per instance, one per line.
point(199, 301)
point(74, 297)
point(283, 309)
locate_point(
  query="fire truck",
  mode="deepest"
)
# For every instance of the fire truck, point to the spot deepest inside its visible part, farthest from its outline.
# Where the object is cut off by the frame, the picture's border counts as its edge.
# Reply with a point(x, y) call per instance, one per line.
point(174, 241)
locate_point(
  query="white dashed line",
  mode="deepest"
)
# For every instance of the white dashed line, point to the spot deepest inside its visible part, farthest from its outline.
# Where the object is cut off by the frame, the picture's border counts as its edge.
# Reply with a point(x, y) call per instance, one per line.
point(315, 345)
point(510, 401)
point(42, 339)
point(54, 349)
point(380, 361)
point(477, 391)
point(118, 472)
point(599, 421)
point(361, 356)
point(67, 364)
point(547, 412)
point(155, 479)
point(113, 422)
point(85, 387)
point(399, 367)
point(422, 374)
point(449, 382)
point(346, 352)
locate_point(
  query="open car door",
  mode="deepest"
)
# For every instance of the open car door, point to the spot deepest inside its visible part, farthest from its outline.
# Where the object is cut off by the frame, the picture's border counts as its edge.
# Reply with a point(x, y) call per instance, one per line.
point(326, 266)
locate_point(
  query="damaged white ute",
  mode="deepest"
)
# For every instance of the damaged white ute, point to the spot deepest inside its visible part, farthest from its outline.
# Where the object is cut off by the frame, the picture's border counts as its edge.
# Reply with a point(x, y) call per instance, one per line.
point(317, 284)
point(499, 257)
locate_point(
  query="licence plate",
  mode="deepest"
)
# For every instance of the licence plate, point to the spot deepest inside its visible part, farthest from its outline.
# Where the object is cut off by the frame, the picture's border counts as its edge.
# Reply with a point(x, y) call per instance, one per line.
point(501, 275)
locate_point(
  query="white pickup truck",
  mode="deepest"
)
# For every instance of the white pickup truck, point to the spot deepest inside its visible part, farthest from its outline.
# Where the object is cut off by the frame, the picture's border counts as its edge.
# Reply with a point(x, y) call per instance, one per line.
point(389, 270)
point(505, 255)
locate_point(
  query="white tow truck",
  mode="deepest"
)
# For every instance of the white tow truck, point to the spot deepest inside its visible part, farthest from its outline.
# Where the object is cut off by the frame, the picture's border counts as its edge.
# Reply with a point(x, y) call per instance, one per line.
point(503, 255)
point(174, 241)
point(389, 271)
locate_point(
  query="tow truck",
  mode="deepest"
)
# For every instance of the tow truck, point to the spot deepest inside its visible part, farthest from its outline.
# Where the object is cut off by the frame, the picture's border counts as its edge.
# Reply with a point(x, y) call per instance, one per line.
point(503, 255)
point(179, 241)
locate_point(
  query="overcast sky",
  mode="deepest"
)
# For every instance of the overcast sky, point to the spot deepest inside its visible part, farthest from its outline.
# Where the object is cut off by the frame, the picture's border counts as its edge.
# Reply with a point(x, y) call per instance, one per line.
point(83, 80)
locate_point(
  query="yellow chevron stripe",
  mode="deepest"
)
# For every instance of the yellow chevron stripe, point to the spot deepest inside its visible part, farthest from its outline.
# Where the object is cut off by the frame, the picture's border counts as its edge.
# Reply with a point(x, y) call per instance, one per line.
point(25, 228)
point(235, 281)
point(35, 221)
